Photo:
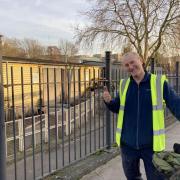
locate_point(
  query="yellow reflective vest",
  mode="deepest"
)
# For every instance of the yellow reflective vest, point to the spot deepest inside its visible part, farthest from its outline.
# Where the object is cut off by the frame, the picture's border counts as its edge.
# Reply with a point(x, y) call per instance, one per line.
point(157, 84)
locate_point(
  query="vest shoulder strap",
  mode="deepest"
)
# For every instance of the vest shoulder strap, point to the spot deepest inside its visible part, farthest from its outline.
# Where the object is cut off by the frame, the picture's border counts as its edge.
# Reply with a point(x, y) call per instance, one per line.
point(157, 84)
point(124, 83)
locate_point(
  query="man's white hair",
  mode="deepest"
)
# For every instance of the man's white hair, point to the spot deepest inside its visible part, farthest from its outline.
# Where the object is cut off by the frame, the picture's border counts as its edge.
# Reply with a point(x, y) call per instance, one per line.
point(130, 54)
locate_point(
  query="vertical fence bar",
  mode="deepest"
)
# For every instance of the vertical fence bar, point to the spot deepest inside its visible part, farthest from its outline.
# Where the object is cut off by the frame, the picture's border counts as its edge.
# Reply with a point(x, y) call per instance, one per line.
point(152, 65)
point(7, 83)
point(24, 133)
point(32, 115)
point(62, 109)
point(90, 111)
point(94, 109)
point(2, 123)
point(99, 120)
point(108, 123)
point(113, 120)
point(74, 79)
point(85, 111)
point(69, 116)
point(104, 83)
point(49, 141)
point(41, 125)
point(14, 124)
point(56, 123)
point(79, 86)
point(116, 93)
point(177, 77)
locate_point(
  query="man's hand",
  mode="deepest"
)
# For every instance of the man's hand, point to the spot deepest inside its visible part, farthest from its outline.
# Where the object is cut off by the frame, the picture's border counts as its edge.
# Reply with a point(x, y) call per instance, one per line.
point(106, 96)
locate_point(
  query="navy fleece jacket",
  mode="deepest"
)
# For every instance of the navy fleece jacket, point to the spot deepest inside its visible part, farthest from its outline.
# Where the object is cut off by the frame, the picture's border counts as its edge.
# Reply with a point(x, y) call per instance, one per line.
point(137, 131)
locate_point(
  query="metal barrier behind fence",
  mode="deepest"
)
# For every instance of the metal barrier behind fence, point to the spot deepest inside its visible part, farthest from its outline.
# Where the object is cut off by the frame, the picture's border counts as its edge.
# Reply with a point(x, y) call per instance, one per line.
point(66, 123)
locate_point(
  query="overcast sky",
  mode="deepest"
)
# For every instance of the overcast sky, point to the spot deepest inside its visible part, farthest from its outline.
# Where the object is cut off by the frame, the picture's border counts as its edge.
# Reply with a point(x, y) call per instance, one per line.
point(44, 20)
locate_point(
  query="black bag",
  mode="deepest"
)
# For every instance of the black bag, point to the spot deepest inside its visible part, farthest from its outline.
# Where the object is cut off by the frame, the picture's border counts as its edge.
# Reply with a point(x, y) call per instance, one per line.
point(176, 148)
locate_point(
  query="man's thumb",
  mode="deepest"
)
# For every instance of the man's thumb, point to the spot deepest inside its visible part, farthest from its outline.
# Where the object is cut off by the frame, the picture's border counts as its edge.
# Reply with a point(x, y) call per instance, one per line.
point(105, 88)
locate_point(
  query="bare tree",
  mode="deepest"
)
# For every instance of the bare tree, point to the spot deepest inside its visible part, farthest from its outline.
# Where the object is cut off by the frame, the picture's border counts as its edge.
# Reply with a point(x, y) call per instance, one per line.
point(12, 47)
point(23, 48)
point(174, 43)
point(126, 48)
point(144, 23)
point(68, 49)
point(32, 48)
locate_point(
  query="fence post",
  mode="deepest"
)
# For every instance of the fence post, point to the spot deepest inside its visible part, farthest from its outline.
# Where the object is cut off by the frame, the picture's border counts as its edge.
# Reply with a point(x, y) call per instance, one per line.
point(152, 65)
point(2, 122)
point(177, 77)
point(108, 120)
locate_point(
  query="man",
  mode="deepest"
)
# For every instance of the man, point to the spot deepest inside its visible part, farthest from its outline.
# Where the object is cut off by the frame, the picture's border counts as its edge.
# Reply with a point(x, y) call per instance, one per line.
point(140, 126)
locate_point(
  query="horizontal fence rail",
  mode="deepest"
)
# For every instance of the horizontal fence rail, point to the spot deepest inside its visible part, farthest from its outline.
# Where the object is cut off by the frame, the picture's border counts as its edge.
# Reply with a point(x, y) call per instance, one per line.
point(55, 116)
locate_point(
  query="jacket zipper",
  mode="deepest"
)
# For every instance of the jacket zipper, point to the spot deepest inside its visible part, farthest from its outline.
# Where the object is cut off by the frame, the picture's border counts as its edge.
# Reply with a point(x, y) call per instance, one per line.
point(137, 135)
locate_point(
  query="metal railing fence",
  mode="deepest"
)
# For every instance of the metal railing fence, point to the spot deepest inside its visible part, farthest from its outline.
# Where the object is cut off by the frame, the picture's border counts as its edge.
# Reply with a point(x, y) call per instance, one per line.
point(64, 124)
point(58, 117)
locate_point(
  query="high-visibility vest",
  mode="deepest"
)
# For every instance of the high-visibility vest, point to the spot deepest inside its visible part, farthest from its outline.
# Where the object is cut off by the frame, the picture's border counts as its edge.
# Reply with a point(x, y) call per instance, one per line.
point(156, 84)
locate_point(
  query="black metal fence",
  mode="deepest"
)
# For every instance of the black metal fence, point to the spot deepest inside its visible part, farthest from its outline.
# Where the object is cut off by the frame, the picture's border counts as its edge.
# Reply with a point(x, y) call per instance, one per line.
point(52, 119)
point(57, 116)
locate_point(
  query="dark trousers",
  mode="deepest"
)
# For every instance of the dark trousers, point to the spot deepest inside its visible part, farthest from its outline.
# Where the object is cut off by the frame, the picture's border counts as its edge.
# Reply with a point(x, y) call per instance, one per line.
point(131, 163)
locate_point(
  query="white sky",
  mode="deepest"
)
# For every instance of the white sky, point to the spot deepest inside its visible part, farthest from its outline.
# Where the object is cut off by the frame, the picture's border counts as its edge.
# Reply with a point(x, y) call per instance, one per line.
point(44, 20)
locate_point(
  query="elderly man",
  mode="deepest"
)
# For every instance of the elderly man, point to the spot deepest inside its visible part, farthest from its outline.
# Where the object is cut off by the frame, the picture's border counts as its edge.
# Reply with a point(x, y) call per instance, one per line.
point(140, 127)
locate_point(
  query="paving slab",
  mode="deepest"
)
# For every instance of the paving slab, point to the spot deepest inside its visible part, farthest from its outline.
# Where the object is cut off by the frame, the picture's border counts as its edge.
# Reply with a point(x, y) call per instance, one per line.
point(113, 169)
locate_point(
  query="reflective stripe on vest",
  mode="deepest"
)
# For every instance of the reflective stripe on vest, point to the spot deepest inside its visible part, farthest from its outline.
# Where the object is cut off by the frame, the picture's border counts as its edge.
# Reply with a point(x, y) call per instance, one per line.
point(157, 82)
point(122, 93)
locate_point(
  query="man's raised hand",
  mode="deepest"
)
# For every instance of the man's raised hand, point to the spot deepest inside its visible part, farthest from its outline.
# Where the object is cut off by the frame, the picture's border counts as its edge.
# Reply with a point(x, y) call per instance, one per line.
point(106, 95)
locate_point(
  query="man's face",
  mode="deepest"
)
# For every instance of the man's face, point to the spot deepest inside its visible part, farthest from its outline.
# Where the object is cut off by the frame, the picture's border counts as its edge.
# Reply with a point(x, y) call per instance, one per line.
point(133, 65)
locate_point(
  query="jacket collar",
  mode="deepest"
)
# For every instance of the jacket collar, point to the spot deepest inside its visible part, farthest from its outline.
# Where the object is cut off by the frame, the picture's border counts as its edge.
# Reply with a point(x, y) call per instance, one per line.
point(147, 76)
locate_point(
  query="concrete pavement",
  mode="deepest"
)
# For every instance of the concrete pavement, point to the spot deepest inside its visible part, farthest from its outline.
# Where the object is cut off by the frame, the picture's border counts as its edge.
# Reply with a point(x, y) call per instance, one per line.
point(113, 169)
